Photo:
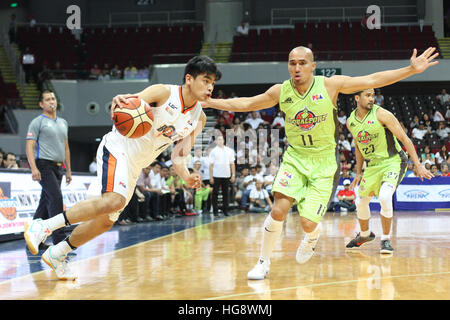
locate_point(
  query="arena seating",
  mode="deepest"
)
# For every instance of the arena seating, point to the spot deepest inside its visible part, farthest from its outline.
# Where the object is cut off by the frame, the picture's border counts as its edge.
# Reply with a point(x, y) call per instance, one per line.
point(333, 41)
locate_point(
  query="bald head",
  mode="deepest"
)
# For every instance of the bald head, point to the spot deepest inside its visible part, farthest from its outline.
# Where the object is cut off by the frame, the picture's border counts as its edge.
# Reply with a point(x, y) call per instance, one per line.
point(301, 51)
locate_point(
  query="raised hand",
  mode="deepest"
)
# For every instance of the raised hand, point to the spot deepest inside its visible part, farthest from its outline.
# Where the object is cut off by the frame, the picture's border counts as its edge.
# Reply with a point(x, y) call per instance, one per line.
point(424, 61)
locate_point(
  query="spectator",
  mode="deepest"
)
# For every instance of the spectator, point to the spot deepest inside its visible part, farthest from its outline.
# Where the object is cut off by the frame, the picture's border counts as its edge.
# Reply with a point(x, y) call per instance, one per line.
point(249, 185)
point(95, 72)
point(379, 98)
point(259, 199)
point(429, 159)
point(419, 133)
point(415, 122)
point(342, 117)
point(344, 164)
point(444, 170)
point(442, 155)
point(32, 20)
point(93, 165)
point(434, 170)
point(10, 161)
point(239, 184)
point(427, 154)
point(242, 29)
point(346, 198)
point(343, 144)
point(269, 178)
point(165, 194)
point(221, 172)
point(151, 197)
point(443, 131)
point(178, 195)
point(43, 76)
point(278, 121)
point(104, 76)
point(437, 116)
point(443, 98)
point(202, 194)
point(197, 157)
point(238, 129)
point(115, 73)
point(28, 61)
point(427, 122)
point(410, 168)
point(254, 121)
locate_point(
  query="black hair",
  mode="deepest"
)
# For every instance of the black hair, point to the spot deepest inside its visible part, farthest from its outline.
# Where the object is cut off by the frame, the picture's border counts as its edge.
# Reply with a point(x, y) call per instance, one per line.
point(155, 163)
point(201, 64)
point(41, 96)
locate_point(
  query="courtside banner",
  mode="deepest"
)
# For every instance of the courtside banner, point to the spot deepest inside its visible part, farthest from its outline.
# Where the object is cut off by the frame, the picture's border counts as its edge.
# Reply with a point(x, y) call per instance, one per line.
point(413, 194)
point(19, 197)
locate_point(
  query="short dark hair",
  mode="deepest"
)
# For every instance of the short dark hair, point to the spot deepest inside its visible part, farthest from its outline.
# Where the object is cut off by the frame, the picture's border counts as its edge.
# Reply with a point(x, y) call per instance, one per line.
point(154, 163)
point(199, 65)
point(41, 96)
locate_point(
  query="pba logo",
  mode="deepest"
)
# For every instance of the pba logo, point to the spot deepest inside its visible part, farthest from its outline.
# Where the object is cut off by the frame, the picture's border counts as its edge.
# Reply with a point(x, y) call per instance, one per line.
point(363, 137)
point(7, 205)
point(445, 194)
point(416, 194)
point(306, 120)
point(167, 131)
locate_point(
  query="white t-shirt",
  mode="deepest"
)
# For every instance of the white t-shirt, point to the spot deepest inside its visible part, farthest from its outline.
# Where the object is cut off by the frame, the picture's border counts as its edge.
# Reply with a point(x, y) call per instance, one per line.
point(221, 158)
point(417, 133)
point(155, 180)
point(261, 195)
point(254, 123)
point(250, 183)
point(345, 144)
point(278, 120)
point(343, 120)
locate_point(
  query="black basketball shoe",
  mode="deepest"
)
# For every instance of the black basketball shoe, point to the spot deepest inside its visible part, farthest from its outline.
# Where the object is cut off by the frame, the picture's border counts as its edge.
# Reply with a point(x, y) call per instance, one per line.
point(359, 241)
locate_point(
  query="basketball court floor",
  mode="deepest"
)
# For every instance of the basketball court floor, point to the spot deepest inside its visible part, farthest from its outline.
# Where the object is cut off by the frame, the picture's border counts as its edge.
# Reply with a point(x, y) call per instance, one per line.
point(204, 257)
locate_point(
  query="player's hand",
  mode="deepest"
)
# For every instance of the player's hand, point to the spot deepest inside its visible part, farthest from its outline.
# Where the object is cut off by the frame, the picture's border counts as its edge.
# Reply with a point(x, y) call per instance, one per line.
point(425, 60)
point(421, 172)
point(117, 100)
point(194, 181)
point(355, 181)
point(36, 175)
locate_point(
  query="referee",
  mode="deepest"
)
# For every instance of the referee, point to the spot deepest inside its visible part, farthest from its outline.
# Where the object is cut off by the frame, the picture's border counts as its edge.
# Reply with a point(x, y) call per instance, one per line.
point(47, 148)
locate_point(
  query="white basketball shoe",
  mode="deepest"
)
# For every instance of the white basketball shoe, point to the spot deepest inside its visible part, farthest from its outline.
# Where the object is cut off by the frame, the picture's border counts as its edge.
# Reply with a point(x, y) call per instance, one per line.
point(59, 265)
point(306, 249)
point(35, 232)
point(259, 271)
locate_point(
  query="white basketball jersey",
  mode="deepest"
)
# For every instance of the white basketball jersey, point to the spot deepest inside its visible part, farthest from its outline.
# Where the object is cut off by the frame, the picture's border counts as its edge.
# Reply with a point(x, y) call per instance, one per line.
point(172, 122)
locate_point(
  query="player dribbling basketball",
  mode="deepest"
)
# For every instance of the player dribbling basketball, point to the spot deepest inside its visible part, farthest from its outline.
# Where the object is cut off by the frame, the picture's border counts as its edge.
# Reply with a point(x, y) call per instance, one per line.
point(178, 116)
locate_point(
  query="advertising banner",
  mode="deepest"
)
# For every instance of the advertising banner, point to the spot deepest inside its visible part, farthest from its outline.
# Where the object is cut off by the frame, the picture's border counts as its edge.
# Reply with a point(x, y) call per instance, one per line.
point(19, 197)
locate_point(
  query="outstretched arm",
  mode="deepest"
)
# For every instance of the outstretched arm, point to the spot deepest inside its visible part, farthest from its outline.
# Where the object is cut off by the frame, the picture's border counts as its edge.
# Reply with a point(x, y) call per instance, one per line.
point(262, 101)
point(387, 119)
point(349, 85)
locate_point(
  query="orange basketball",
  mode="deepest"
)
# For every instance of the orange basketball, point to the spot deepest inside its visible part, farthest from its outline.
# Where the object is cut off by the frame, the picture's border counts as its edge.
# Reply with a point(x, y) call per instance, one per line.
point(134, 119)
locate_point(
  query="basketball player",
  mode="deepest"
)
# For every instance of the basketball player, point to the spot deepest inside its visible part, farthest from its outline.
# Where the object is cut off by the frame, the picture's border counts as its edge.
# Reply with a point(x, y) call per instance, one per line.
point(309, 171)
point(376, 131)
point(178, 117)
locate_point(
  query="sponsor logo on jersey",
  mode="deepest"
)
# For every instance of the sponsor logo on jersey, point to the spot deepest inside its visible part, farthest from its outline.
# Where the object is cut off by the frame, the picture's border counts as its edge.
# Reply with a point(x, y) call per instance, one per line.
point(167, 131)
point(317, 97)
point(364, 137)
point(370, 122)
point(122, 184)
point(170, 111)
point(306, 120)
point(288, 100)
point(170, 104)
point(284, 182)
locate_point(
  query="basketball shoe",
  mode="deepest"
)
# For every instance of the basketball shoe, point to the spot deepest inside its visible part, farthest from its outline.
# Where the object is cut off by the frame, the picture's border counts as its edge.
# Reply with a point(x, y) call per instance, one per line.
point(306, 248)
point(35, 232)
point(59, 265)
point(259, 271)
point(386, 247)
point(359, 241)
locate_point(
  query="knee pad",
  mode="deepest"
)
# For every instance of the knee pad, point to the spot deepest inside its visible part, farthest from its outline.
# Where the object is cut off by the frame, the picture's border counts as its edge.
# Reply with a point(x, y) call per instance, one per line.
point(362, 208)
point(385, 196)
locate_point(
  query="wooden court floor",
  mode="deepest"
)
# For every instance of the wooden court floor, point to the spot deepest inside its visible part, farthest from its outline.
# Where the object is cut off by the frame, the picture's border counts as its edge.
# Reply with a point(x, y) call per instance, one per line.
point(211, 261)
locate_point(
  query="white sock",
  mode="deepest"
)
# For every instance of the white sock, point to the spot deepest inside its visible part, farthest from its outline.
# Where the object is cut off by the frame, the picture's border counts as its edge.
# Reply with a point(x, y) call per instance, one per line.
point(365, 233)
point(61, 249)
point(56, 222)
point(271, 233)
point(385, 237)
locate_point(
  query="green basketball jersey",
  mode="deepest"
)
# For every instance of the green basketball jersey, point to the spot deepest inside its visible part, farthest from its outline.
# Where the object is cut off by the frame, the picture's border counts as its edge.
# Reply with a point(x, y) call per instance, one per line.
point(375, 141)
point(310, 120)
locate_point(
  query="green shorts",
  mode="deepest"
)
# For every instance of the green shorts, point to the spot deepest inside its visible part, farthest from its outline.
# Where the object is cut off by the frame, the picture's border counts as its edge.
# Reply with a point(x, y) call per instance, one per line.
point(311, 181)
point(390, 170)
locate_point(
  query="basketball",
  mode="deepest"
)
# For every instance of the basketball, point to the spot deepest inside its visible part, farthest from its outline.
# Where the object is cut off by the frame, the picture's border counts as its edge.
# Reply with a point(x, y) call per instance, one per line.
point(134, 119)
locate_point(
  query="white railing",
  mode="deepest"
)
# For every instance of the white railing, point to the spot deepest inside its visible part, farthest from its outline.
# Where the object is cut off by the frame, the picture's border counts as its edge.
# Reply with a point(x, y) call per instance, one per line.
point(389, 14)
point(152, 17)
point(13, 59)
